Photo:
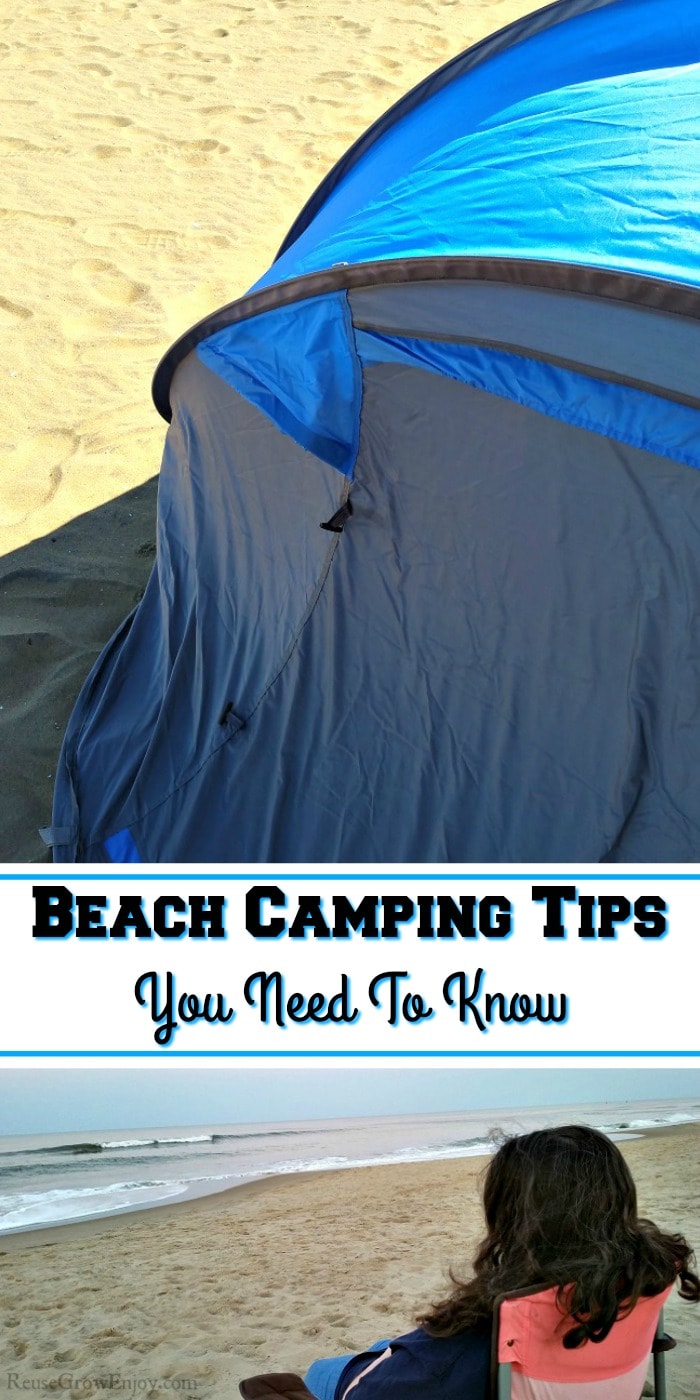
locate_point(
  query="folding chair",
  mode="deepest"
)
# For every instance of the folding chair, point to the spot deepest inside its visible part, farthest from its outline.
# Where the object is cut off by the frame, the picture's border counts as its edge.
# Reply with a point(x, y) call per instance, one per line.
point(529, 1361)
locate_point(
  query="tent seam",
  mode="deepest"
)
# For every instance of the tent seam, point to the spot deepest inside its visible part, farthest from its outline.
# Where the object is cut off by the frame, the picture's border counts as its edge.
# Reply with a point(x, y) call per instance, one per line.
point(100, 836)
point(576, 420)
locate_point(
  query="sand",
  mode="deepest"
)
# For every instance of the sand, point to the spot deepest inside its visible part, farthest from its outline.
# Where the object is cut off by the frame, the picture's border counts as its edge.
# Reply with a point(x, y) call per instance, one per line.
point(154, 154)
point(269, 1276)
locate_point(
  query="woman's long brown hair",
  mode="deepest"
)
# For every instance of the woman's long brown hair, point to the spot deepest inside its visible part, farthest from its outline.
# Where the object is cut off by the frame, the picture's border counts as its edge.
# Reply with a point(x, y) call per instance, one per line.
point(561, 1209)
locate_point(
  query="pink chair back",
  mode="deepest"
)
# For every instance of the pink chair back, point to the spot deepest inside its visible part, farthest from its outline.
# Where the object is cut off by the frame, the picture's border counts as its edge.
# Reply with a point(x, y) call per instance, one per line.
point(534, 1365)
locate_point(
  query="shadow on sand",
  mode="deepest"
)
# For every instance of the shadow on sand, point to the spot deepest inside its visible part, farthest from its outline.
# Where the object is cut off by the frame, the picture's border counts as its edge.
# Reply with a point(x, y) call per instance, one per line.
point(61, 598)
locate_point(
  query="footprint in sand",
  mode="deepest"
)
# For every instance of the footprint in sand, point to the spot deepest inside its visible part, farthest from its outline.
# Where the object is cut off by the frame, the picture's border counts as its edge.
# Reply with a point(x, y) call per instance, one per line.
point(107, 152)
point(106, 1346)
point(203, 79)
point(390, 64)
point(206, 57)
point(183, 1374)
point(158, 240)
point(35, 474)
point(205, 147)
point(107, 282)
point(219, 109)
point(99, 119)
point(12, 215)
point(373, 80)
point(336, 76)
point(359, 29)
point(288, 109)
point(15, 310)
point(98, 48)
point(14, 145)
point(262, 160)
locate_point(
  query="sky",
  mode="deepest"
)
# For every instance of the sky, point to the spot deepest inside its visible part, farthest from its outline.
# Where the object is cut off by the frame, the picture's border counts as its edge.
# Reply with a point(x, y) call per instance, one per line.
point(38, 1100)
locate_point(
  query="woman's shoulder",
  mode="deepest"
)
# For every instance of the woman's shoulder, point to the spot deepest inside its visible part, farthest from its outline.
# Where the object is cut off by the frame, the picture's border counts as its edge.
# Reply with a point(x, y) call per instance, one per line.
point(422, 1367)
point(470, 1347)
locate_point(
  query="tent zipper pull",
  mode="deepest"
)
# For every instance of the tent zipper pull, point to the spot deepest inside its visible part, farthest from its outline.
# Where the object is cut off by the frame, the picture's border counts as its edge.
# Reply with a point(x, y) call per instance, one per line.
point(337, 521)
point(229, 719)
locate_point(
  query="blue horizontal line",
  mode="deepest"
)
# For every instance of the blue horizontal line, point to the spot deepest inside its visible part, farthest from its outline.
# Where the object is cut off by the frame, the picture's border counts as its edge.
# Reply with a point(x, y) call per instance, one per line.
point(358, 1054)
point(130, 873)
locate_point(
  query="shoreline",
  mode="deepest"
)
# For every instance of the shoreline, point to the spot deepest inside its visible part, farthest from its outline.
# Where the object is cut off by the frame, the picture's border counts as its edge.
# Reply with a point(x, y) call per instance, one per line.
point(192, 1202)
point(187, 1204)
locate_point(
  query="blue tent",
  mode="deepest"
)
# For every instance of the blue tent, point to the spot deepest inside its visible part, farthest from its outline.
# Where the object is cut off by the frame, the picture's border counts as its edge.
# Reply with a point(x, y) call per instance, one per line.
point(428, 568)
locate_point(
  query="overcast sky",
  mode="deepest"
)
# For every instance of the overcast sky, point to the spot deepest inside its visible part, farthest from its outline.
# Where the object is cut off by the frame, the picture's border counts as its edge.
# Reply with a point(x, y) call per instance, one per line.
point(64, 1100)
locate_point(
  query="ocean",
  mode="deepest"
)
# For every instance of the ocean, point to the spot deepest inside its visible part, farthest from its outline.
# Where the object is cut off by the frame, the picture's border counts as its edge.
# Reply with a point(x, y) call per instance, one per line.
point(54, 1179)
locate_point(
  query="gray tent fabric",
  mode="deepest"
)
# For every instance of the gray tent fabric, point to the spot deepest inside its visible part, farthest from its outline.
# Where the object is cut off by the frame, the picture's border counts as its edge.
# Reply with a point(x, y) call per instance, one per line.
point(625, 343)
point(496, 660)
point(238, 515)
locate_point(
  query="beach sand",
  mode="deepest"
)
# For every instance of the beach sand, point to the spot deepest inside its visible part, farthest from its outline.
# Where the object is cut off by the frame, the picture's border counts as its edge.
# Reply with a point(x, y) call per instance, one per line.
point(271, 1275)
point(155, 153)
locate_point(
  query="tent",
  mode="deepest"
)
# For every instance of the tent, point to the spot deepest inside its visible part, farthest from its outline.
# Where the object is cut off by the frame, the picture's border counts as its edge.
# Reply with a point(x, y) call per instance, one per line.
point(427, 585)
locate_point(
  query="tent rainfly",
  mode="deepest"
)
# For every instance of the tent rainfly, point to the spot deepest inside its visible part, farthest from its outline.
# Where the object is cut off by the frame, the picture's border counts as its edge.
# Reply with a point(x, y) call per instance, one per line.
point(427, 584)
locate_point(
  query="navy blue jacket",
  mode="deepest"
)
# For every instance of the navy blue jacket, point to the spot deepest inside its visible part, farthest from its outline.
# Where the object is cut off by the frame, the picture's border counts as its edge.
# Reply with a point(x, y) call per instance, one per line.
point(425, 1368)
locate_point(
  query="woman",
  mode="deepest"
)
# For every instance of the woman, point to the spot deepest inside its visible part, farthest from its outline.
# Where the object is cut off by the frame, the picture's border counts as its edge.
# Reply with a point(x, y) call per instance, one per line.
point(561, 1209)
